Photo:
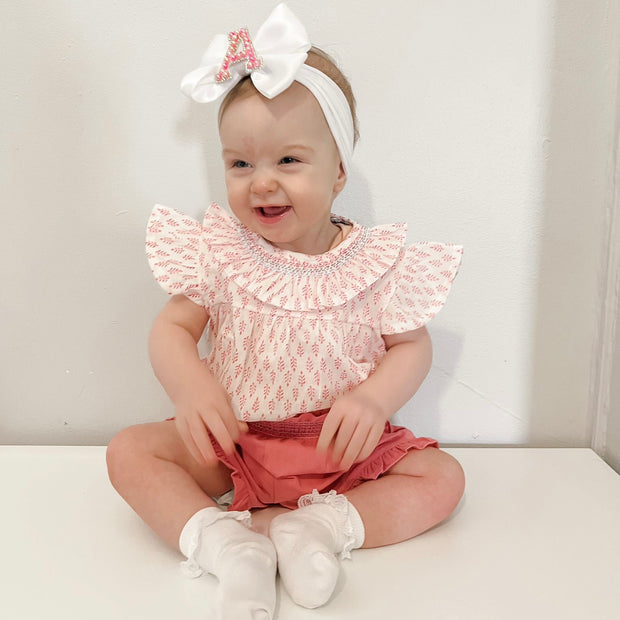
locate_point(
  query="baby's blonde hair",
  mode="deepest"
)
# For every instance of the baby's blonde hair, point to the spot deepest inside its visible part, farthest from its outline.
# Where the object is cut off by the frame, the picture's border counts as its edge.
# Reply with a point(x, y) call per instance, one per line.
point(318, 59)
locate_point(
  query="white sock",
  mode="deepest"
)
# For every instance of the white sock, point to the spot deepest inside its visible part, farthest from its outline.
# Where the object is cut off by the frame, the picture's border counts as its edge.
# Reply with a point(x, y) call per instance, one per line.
point(310, 543)
point(244, 562)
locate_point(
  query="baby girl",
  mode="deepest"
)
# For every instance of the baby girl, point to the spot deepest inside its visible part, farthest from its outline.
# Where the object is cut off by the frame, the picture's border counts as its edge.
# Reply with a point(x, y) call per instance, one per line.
point(316, 334)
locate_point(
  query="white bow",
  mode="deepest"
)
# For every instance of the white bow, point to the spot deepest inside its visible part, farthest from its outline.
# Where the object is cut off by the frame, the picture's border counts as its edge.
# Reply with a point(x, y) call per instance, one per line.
point(281, 44)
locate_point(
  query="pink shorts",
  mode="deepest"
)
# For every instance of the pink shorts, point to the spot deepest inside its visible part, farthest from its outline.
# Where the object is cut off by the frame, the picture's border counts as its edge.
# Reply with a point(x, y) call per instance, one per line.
point(277, 462)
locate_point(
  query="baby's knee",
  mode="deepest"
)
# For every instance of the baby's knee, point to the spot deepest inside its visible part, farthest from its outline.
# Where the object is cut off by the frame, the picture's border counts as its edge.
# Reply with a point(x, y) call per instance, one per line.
point(121, 449)
point(452, 479)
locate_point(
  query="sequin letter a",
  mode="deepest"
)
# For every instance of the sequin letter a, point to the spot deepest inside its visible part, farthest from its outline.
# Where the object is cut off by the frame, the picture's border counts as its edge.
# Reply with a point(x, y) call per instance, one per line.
point(240, 49)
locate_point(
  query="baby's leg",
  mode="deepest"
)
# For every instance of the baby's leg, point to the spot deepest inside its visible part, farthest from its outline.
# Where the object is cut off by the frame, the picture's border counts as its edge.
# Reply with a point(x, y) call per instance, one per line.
point(420, 491)
point(151, 469)
point(417, 493)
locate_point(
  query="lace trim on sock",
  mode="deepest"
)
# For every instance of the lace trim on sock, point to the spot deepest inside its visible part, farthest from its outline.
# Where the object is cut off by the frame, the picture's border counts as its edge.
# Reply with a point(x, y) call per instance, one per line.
point(341, 505)
point(190, 567)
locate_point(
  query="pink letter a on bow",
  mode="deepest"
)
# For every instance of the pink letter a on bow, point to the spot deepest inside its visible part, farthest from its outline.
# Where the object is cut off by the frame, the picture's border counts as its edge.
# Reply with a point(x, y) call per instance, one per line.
point(238, 39)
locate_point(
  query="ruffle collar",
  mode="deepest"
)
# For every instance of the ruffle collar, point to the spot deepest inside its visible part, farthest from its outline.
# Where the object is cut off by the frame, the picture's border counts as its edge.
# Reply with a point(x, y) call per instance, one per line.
point(295, 281)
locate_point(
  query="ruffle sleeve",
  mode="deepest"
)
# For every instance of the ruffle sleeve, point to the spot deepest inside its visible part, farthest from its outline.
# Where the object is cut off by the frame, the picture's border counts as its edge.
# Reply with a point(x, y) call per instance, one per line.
point(423, 278)
point(176, 249)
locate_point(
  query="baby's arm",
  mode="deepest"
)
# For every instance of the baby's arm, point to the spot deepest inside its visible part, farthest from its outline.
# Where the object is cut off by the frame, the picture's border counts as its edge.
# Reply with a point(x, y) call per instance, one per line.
point(201, 402)
point(356, 420)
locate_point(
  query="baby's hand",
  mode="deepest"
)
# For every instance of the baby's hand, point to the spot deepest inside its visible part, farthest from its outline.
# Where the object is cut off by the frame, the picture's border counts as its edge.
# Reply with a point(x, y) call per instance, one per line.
point(353, 427)
point(206, 406)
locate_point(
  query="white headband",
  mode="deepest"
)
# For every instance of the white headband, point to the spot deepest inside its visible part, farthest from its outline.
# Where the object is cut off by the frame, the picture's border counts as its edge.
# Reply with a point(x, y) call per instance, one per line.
point(274, 59)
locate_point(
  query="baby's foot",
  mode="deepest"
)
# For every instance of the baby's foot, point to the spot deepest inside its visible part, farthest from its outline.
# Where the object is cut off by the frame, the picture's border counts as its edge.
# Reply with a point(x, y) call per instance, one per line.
point(246, 569)
point(310, 543)
point(243, 561)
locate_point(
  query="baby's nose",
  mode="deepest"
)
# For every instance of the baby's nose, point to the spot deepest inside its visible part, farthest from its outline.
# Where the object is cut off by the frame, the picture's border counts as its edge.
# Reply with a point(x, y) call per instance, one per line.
point(263, 182)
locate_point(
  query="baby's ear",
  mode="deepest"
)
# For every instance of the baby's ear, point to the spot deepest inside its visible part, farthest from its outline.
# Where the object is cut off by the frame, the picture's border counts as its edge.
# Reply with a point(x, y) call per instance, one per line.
point(341, 180)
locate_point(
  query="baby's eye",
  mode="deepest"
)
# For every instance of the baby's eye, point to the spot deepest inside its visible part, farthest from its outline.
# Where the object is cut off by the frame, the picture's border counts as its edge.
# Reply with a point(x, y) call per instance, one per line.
point(238, 163)
point(289, 160)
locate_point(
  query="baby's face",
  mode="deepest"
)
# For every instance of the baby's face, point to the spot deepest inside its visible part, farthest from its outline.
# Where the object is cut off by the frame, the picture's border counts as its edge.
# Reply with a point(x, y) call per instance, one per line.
point(282, 168)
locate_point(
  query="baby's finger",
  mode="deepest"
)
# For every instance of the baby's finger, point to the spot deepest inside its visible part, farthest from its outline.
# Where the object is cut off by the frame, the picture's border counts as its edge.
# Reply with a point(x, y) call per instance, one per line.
point(330, 428)
point(186, 436)
point(343, 438)
point(353, 449)
point(371, 443)
point(203, 442)
point(219, 430)
point(230, 421)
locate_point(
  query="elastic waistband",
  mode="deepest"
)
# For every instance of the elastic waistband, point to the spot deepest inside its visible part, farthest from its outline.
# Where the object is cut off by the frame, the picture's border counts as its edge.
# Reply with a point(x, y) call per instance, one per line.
point(302, 425)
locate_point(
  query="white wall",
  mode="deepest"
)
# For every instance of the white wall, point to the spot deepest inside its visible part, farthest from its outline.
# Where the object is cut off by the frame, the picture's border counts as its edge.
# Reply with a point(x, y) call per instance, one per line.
point(485, 123)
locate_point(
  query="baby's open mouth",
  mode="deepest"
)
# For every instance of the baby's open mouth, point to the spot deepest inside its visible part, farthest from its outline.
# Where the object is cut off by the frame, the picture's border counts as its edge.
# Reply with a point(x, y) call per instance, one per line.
point(273, 211)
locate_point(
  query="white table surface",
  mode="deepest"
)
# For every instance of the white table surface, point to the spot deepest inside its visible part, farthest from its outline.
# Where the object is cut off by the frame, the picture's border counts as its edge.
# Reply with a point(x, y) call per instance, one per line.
point(537, 535)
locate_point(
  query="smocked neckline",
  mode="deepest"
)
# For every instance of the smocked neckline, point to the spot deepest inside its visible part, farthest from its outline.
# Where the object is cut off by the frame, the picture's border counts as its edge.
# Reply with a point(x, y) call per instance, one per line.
point(281, 259)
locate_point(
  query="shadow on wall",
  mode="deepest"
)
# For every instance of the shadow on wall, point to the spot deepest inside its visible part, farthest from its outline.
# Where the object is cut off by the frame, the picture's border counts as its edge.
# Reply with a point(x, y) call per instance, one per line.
point(423, 413)
point(355, 201)
point(572, 250)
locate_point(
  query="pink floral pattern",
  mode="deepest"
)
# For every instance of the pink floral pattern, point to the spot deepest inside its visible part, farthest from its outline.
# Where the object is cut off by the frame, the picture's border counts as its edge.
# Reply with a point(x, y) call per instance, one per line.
point(288, 332)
